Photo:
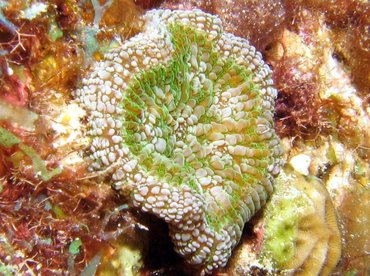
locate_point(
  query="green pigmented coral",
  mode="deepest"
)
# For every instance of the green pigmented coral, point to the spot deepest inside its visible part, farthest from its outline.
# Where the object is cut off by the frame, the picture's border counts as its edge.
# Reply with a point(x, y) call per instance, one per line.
point(282, 227)
point(182, 115)
point(301, 229)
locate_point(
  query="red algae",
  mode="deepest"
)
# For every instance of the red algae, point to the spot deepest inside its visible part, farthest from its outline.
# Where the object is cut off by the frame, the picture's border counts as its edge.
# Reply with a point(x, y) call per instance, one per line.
point(42, 218)
point(297, 105)
point(15, 88)
point(41, 60)
point(349, 21)
point(204, 5)
point(306, 70)
point(40, 222)
point(147, 4)
point(259, 21)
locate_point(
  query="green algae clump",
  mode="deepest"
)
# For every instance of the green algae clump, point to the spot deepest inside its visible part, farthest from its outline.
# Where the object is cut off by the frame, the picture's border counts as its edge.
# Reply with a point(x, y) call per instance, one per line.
point(8, 139)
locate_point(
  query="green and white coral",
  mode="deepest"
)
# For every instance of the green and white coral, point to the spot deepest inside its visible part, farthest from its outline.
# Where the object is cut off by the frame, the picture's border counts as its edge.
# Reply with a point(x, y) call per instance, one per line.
point(182, 116)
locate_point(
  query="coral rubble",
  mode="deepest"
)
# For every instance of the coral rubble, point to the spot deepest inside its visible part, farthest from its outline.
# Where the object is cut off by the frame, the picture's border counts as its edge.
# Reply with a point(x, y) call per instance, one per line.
point(182, 116)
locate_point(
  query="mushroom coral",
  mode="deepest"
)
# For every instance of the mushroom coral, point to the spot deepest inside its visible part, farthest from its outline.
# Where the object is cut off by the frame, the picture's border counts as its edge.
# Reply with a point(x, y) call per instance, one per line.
point(181, 115)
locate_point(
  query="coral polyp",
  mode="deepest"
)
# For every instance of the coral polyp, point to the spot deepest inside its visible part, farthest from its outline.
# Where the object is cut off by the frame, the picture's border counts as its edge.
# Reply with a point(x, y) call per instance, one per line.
point(181, 115)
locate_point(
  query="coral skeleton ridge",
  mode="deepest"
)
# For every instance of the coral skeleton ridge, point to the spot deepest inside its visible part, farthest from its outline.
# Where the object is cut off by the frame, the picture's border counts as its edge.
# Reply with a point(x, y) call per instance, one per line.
point(182, 114)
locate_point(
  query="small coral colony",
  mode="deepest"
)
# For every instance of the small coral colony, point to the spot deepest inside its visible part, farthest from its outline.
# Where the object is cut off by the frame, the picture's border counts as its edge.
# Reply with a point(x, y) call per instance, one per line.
point(171, 122)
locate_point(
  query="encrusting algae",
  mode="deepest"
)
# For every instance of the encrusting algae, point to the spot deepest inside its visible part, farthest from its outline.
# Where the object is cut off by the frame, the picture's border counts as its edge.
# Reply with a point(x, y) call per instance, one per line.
point(181, 115)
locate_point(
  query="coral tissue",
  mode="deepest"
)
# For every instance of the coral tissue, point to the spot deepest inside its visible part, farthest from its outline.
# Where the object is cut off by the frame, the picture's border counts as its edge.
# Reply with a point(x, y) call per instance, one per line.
point(182, 116)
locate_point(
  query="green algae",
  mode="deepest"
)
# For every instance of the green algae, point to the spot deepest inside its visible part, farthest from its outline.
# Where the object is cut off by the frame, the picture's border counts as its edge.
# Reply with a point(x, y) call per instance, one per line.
point(74, 247)
point(8, 139)
point(92, 266)
point(54, 31)
point(7, 270)
point(38, 163)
